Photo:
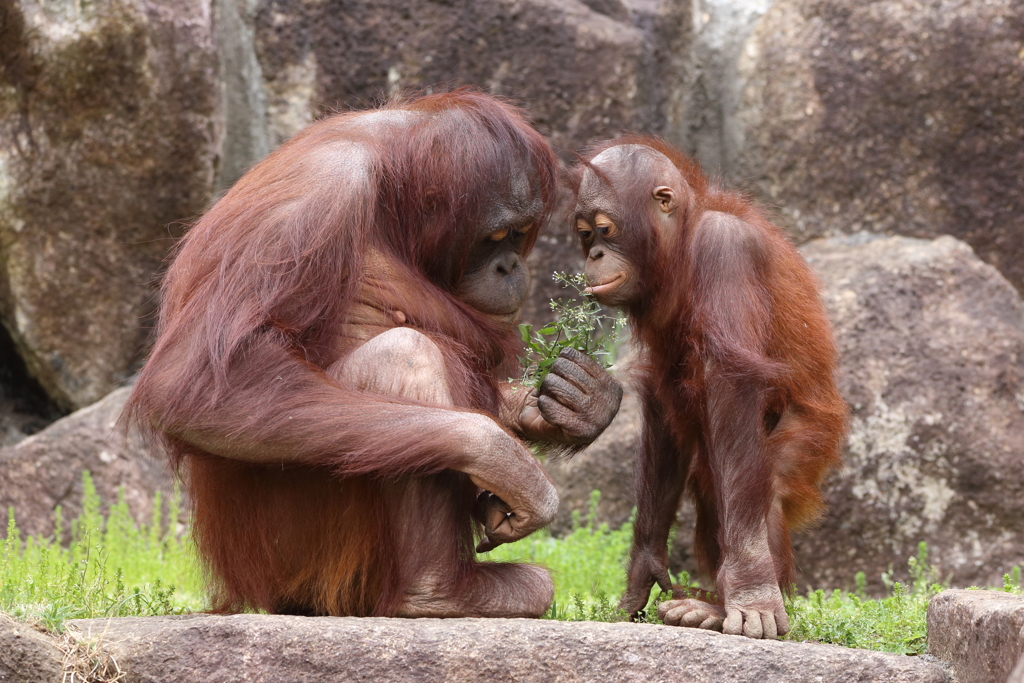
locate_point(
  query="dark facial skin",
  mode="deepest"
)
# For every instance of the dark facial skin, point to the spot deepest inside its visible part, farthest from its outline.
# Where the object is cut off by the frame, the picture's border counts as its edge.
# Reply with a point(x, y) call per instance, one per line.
point(612, 278)
point(496, 280)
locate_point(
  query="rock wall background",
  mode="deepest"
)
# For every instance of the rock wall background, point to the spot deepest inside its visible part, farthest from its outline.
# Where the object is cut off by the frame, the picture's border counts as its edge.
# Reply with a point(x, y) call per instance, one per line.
point(121, 120)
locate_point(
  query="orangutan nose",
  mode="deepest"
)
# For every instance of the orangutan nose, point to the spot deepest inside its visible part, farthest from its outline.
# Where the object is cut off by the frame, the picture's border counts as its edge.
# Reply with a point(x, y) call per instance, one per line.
point(505, 265)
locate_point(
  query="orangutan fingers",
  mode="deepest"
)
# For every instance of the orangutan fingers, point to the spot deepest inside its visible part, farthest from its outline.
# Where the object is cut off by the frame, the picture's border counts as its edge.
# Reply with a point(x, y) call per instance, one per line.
point(563, 391)
point(572, 372)
point(523, 497)
point(694, 618)
point(583, 361)
point(633, 601)
point(672, 617)
point(493, 513)
point(556, 413)
point(664, 581)
point(733, 624)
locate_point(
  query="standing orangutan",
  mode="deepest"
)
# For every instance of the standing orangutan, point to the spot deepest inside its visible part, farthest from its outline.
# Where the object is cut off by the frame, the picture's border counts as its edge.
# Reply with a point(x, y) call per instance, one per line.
point(737, 378)
point(328, 368)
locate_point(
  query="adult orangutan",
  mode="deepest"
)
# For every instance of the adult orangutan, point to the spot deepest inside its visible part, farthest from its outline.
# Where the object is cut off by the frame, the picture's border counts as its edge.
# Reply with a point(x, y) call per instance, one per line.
point(328, 368)
point(736, 379)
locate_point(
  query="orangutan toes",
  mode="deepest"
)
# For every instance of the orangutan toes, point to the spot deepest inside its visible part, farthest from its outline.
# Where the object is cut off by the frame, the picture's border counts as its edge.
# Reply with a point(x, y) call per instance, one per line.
point(692, 613)
point(754, 623)
point(764, 617)
point(756, 612)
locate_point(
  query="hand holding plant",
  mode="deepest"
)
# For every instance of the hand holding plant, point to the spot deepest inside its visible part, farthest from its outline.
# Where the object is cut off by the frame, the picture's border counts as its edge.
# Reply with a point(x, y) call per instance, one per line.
point(580, 324)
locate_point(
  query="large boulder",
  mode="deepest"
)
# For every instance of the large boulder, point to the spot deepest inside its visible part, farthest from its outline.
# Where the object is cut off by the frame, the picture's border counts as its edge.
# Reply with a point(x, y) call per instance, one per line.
point(584, 70)
point(898, 116)
point(45, 470)
point(108, 138)
point(932, 346)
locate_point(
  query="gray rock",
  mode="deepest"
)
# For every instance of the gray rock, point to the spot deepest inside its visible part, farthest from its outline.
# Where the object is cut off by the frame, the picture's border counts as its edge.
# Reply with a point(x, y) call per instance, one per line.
point(280, 648)
point(932, 347)
point(932, 364)
point(27, 656)
point(713, 88)
point(899, 116)
point(980, 633)
point(583, 70)
point(107, 139)
point(45, 470)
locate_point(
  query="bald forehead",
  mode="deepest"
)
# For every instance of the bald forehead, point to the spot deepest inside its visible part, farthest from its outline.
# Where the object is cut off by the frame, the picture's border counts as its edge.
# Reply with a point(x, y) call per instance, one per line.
point(622, 163)
point(632, 159)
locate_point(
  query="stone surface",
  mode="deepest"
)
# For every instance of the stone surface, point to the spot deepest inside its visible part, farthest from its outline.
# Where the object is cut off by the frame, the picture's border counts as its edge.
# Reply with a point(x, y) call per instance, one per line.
point(979, 633)
point(27, 656)
point(713, 88)
point(932, 347)
point(932, 365)
point(280, 648)
point(45, 470)
point(899, 116)
point(108, 140)
point(583, 70)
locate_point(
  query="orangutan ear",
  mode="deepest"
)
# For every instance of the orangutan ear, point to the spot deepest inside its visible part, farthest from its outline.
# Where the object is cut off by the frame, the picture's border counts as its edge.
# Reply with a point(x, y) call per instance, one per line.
point(666, 198)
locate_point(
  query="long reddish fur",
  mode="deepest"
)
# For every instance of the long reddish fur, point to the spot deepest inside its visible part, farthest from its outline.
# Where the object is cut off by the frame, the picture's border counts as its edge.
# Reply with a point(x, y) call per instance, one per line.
point(254, 309)
point(784, 359)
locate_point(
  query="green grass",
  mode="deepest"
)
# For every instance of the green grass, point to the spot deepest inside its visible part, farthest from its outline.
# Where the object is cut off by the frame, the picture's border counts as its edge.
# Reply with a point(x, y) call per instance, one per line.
point(113, 567)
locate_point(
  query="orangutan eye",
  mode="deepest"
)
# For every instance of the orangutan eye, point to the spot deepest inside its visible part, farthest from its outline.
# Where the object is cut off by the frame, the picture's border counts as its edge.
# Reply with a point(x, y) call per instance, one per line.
point(605, 226)
point(584, 230)
point(499, 235)
point(523, 231)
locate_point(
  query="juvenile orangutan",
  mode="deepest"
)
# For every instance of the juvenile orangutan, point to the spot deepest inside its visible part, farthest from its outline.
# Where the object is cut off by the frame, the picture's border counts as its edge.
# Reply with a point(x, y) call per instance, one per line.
point(736, 378)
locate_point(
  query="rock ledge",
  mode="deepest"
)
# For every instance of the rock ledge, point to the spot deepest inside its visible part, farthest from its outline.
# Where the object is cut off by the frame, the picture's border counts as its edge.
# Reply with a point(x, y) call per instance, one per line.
point(281, 648)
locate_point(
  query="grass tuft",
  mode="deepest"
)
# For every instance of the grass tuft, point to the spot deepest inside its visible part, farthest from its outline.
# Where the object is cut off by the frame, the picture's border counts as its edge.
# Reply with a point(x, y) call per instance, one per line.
point(111, 568)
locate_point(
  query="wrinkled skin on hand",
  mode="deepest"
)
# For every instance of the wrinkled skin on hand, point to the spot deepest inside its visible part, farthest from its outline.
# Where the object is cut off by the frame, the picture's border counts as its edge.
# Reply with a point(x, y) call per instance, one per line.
point(576, 401)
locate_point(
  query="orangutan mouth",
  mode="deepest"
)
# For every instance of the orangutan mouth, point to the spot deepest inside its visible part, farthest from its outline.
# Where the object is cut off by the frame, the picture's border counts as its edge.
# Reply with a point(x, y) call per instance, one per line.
point(606, 286)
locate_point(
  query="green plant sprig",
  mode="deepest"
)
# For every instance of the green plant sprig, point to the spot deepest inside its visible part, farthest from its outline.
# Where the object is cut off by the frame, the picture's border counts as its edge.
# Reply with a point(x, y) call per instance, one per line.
point(580, 324)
